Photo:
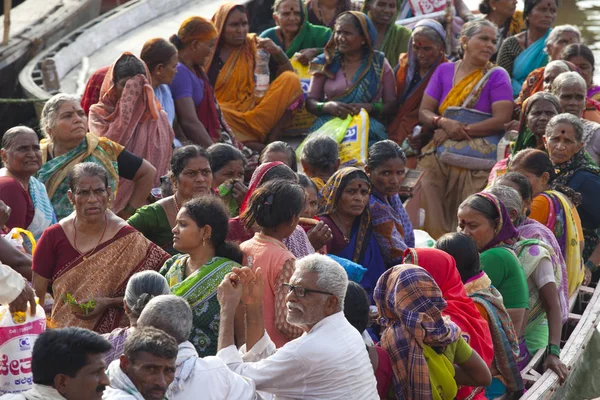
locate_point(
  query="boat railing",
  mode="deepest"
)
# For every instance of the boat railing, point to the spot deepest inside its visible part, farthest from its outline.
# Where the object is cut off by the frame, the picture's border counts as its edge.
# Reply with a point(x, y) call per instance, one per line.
point(546, 385)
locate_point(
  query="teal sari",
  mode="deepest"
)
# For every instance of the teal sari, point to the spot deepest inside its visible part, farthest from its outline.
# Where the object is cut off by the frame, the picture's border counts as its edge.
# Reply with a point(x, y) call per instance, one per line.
point(366, 82)
point(308, 37)
point(200, 291)
point(531, 58)
point(54, 172)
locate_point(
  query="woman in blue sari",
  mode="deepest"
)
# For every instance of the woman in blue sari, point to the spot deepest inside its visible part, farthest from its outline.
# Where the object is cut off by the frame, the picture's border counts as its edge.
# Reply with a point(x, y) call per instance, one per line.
point(345, 209)
point(350, 75)
point(524, 52)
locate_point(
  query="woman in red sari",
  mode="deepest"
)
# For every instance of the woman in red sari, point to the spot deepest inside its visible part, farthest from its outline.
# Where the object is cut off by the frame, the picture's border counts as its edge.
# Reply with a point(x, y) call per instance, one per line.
point(129, 114)
point(461, 309)
point(90, 255)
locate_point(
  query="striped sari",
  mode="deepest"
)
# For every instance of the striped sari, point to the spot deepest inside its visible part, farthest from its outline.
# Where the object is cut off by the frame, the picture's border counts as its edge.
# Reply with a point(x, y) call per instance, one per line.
point(200, 291)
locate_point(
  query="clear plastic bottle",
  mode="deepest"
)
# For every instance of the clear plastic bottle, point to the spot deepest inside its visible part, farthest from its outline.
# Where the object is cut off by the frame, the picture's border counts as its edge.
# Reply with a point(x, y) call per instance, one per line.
point(261, 73)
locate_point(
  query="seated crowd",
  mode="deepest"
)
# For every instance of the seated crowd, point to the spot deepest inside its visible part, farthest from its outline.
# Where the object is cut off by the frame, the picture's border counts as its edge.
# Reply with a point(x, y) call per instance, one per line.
point(181, 248)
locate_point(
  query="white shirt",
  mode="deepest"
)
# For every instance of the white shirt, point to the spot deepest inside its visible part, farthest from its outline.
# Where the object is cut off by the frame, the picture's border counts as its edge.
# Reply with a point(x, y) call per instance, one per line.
point(37, 392)
point(329, 362)
point(207, 378)
point(11, 284)
point(121, 387)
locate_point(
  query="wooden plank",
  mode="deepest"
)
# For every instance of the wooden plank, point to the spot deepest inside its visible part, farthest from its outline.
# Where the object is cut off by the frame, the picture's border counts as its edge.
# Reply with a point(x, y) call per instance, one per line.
point(573, 349)
point(574, 317)
point(7, 8)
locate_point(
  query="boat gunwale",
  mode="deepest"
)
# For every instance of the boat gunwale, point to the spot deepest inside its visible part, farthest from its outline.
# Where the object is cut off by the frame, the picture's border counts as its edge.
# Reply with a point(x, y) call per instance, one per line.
point(571, 352)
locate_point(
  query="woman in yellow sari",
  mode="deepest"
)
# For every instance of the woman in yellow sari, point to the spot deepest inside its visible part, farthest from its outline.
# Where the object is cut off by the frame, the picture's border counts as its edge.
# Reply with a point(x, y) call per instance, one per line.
point(465, 106)
point(256, 121)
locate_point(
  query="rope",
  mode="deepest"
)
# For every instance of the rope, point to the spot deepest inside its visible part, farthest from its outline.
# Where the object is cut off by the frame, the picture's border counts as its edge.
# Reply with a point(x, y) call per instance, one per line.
point(22, 101)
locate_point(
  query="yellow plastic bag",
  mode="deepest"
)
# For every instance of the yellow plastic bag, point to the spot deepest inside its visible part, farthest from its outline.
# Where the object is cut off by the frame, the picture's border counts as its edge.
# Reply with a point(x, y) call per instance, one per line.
point(354, 146)
point(302, 120)
point(352, 136)
point(335, 128)
point(14, 236)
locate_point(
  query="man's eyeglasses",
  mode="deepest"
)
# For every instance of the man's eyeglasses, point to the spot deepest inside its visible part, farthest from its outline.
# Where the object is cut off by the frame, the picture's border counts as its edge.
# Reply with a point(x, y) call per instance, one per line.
point(300, 291)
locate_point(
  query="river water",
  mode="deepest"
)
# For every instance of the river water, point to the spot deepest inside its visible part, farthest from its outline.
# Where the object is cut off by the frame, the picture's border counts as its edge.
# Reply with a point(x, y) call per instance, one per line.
point(585, 14)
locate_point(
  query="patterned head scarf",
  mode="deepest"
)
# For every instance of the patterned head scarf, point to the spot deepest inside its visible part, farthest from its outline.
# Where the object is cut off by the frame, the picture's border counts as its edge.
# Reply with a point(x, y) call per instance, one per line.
point(256, 181)
point(330, 195)
point(410, 306)
point(505, 232)
point(460, 308)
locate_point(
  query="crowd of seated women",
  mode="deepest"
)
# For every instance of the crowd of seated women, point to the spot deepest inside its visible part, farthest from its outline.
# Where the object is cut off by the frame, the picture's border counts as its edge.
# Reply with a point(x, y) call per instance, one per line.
point(175, 162)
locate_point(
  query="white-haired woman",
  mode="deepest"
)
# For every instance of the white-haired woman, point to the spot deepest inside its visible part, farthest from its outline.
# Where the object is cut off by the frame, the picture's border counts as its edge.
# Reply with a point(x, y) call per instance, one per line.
point(571, 91)
point(68, 142)
point(559, 38)
point(565, 146)
point(465, 102)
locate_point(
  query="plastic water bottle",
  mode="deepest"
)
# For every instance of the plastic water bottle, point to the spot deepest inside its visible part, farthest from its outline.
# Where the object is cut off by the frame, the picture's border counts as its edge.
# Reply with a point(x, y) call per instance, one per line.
point(261, 73)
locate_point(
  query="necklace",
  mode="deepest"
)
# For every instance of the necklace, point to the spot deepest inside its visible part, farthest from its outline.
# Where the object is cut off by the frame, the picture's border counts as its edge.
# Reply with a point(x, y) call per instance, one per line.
point(89, 253)
point(339, 225)
point(344, 71)
point(456, 73)
point(176, 203)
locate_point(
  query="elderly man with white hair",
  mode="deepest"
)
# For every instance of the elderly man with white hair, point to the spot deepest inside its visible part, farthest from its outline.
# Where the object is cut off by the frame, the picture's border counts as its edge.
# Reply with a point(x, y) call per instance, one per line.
point(329, 361)
point(207, 378)
point(571, 90)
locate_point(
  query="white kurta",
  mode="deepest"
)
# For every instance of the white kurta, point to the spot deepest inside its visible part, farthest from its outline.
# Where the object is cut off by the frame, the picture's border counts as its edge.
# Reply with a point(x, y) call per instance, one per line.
point(329, 362)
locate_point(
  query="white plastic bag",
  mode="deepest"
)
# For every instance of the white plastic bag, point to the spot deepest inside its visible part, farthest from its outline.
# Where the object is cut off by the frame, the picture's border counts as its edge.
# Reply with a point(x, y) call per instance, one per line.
point(16, 348)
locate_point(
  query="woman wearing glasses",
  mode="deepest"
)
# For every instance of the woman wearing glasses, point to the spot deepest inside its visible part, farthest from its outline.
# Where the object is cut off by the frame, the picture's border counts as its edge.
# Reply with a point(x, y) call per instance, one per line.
point(275, 207)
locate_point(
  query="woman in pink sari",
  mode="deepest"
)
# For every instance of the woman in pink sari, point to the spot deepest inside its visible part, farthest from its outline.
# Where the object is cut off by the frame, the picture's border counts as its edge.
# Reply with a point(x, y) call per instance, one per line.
point(129, 114)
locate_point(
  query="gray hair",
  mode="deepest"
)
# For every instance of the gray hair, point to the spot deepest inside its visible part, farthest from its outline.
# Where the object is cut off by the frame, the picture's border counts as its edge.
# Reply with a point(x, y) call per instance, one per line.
point(558, 31)
point(50, 111)
point(14, 133)
point(543, 96)
point(320, 152)
point(472, 28)
point(332, 277)
point(170, 314)
point(509, 196)
point(150, 340)
point(430, 33)
point(143, 287)
point(568, 78)
point(566, 118)
point(558, 64)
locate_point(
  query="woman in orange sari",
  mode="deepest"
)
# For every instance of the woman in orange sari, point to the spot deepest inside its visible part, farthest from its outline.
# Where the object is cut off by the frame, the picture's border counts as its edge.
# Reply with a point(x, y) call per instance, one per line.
point(425, 52)
point(256, 121)
point(129, 114)
point(89, 256)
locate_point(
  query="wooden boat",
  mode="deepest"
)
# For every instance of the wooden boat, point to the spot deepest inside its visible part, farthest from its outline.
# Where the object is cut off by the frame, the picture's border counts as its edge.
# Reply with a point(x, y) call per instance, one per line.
point(127, 27)
point(98, 43)
point(579, 353)
point(34, 26)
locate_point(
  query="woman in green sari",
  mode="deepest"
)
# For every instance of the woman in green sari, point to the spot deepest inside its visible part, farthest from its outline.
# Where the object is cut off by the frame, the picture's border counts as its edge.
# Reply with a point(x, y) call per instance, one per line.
point(64, 124)
point(294, 34)
point(392, 39)
point(191, 177)
point(195, 275)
